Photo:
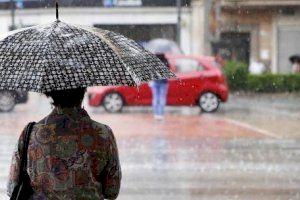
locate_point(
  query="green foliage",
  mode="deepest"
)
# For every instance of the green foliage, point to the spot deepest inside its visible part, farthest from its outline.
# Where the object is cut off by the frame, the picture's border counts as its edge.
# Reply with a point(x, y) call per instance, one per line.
point(273, 83)
point(236, 73)
point(238, 78)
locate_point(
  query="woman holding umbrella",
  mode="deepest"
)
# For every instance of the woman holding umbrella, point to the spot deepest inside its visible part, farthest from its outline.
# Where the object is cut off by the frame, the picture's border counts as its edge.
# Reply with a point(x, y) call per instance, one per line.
point(70, 156)
point(67, 155)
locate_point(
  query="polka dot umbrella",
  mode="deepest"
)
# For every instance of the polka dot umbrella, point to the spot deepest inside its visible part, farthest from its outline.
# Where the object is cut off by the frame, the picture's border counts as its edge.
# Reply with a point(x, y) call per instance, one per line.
point(60, 56)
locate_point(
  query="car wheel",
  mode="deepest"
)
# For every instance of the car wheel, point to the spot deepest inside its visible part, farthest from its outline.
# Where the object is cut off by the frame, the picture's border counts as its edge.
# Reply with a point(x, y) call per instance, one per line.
point(113, 102)
point(7, 101)
point(209, 102)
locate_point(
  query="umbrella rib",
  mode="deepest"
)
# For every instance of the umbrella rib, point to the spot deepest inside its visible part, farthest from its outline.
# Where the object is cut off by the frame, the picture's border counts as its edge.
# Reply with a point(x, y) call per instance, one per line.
point(133, 75)
point(110, 45)
point(48, 44)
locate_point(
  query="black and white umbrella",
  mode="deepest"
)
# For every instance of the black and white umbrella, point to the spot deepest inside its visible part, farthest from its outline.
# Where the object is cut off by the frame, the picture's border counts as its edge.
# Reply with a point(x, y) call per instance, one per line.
point(61, 56)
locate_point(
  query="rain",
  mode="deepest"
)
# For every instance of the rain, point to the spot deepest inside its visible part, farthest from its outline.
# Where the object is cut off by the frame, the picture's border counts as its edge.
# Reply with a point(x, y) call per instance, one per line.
point(229, 129)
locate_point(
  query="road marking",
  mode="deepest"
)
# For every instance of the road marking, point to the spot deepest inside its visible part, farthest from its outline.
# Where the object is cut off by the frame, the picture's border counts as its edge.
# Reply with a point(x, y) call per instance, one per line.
point(250, 127)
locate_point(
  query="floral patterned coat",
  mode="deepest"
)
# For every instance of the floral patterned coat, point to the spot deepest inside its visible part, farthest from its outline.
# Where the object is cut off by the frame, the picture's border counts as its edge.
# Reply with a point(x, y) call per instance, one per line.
point(70, 156)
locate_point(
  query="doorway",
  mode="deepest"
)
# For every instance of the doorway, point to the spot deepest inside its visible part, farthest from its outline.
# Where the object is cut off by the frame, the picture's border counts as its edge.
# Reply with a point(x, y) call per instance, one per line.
point(234, 46)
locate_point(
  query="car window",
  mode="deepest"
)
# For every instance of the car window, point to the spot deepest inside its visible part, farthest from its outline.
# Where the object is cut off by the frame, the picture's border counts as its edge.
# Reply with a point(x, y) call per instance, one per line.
point(184, 65)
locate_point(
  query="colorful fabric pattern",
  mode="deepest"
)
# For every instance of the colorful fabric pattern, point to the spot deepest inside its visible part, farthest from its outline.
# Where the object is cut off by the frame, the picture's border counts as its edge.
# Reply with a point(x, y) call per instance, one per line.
point(70, 156)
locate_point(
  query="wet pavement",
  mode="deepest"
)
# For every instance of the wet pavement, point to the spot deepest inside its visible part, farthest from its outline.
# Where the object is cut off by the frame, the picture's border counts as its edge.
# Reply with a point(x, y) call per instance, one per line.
point(277, 114)
point(188, 155)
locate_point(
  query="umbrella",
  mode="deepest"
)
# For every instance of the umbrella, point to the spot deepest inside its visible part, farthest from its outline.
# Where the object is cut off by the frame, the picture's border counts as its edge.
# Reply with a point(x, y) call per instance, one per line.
point(162, 46)
point(295, 58)
point(60, 56)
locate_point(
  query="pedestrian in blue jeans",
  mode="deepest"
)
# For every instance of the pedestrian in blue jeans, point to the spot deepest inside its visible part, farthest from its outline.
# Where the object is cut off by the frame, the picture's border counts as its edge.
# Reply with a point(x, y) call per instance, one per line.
point(159, 95)
point(159, 92)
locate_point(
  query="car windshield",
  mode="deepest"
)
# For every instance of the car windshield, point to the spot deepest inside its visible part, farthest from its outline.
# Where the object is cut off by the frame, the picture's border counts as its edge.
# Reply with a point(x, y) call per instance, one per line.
point(184, 65)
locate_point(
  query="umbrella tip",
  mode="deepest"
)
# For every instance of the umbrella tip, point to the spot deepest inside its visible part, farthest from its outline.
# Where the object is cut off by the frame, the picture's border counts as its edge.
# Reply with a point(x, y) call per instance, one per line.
point(57, 16)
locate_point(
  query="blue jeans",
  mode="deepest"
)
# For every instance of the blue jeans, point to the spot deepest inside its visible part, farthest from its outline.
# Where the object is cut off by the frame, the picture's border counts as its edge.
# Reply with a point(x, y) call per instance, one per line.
point(159, 95)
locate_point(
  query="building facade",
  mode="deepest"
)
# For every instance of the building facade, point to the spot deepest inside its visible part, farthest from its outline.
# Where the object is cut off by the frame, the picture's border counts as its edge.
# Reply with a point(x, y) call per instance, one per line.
point(141, 20)
point(265, 32)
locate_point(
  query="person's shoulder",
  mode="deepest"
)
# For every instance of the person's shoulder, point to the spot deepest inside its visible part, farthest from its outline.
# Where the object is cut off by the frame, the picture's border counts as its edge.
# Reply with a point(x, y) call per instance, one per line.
point(102, 130)
point(42, 124)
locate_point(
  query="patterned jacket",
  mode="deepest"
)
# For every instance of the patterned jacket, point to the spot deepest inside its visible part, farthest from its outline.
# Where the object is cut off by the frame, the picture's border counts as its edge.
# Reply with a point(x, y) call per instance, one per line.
point(70, 156)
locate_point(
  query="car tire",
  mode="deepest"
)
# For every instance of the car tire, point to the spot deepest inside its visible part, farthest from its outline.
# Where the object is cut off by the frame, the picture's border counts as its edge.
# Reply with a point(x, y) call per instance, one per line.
point(113, 102)
point(209, 102)
point(7, 101)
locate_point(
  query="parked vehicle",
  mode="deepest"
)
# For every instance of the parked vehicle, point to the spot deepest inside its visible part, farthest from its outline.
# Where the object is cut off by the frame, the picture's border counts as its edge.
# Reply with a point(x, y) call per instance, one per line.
point(8, 99)
point(201, 82)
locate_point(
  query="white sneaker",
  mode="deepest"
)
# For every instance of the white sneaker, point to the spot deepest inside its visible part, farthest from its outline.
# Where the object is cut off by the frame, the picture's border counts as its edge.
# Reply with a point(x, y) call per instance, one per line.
point(158, 117)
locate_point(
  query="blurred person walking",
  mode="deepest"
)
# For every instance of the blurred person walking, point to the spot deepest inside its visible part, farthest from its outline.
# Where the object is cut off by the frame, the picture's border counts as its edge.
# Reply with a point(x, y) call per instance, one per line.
point(295, 60)
point(70, 156)
point(160, 47)
point(159, 93)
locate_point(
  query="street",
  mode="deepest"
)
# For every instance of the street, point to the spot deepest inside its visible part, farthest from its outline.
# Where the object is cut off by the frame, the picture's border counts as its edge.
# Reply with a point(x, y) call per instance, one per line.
point(245, 151)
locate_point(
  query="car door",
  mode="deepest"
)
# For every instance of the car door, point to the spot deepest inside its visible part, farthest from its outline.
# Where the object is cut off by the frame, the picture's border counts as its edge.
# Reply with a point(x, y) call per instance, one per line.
point(144, 95)
point(186, 90)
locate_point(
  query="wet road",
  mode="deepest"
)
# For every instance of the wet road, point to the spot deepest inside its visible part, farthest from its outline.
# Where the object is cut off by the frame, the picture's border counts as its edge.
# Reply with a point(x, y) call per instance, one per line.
point(278, 114)
point(186, 156)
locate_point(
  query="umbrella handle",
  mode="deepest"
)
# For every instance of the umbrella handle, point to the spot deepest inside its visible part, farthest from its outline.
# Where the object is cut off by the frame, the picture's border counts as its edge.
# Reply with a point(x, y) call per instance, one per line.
point(56, 5)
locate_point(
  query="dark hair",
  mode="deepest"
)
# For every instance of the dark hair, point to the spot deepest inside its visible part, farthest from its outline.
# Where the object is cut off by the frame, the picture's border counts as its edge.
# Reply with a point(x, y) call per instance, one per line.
point(163, 59)
point(67, 98)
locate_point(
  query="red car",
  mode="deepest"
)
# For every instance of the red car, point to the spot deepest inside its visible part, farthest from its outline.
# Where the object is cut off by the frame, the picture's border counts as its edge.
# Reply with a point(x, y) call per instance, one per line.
point(201, 82)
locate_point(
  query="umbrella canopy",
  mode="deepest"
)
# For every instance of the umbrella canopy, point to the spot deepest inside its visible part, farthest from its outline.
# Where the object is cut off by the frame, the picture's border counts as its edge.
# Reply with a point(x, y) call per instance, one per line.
point(162, 46)
point(295, 58)
point(60, 56)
